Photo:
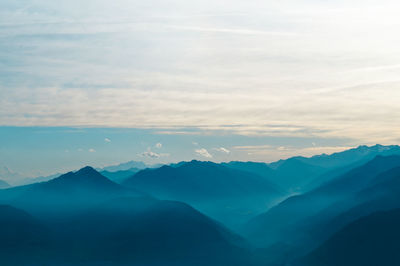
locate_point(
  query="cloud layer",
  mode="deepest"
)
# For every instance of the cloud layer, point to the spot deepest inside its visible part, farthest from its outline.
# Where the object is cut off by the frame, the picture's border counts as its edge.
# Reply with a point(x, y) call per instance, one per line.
point(264, 68)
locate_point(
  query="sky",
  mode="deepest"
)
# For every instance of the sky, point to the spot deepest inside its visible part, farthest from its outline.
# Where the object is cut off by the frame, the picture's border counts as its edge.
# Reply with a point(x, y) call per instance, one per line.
point(245, 80)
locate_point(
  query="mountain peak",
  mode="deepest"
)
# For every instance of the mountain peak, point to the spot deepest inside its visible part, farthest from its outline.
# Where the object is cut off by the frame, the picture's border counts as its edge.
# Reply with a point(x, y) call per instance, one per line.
point(87, 176)
point(87, 170)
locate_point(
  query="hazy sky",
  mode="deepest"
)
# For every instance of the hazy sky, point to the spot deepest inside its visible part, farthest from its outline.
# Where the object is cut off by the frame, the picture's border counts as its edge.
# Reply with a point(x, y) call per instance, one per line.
point(307, 76)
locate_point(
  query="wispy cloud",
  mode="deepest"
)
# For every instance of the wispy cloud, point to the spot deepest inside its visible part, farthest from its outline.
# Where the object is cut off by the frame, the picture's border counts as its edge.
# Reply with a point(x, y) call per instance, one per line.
point(92, 150)
point(241, 31)
point(203, 152)
point(107, 140)
point(150, 154)
point(223, 150)
point(158, 145)
point(275, 60)
point(153, 155)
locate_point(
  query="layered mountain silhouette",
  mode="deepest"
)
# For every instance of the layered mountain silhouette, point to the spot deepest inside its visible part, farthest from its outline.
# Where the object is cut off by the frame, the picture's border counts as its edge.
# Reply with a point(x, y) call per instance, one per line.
point(83, 217)
point(22, 236)
point(121, 175)
point(69, 192)
point(372, 240)
point(301, 174)
point(305, 211)
point(124, 166)
point(226, 194)
point(153, 232)
point(344, 211)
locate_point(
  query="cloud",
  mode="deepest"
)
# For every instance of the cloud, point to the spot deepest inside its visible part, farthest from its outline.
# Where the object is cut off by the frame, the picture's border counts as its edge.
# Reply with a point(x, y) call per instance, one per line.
point(223, 150)
point(150, 154)
point(158, 145)
point(153, 155)
point(195, 143)
point(203, 152)
point(241, 31)
point(92, 150)
point(107, 140)
point(269, 152)
point(263, 73)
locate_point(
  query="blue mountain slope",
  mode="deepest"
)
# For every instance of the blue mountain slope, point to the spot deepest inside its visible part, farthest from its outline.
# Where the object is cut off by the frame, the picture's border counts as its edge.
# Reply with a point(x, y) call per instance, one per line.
point(228, 195)
point(120, 176)
point(284, 220)
point(372, 240)
point(71, 191)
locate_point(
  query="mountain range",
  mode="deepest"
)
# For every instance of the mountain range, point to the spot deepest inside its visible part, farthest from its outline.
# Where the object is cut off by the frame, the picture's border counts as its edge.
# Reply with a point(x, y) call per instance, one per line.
point(230, 196)
point(339, 209)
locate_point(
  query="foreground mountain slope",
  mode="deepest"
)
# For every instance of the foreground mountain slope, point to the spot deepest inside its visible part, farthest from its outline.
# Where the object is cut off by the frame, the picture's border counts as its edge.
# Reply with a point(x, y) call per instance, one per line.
point(20, 233)
point(228, 195)
point(373, 240)
point(151, 231)
point(120, 231)
point(382, 194)
point(284, 220)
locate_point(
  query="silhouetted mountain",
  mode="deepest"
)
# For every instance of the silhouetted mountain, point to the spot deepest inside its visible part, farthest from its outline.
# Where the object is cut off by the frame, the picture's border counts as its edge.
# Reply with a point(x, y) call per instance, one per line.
point(352, 156)
point(228, 195)
point(120, 231)
point(261, 169)
point(284, 220)
point(32, 180)
point(4, 184)
point(151, 232)
point(372, 240)
point(71, 191)
point(302, 174)
point(382, 194)
point(124, 166)
point(293, 174)
point(120, 176)
point(21, 237)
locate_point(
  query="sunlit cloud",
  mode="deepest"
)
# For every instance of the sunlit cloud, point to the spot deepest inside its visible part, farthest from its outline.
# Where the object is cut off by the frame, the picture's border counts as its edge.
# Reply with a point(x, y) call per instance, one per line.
point(203, 152)
point(158, 145)
point(275, 60)
point(222, 150)
point(150, 154)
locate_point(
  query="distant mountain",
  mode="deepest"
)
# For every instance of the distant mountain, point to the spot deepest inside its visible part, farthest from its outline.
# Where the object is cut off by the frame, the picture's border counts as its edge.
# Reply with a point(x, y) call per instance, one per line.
point(120, 176)
point(3, 184)
point(304, 173)
point(124, 166)
point(70, 191)
point(285, 220)
point(226, 194)
point(294, 174)
point(32, 180)
point(9, 176)
point(347, 157)
point(301, 174)
point(372, 240)
point(257, 168)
